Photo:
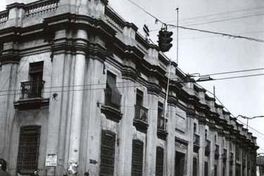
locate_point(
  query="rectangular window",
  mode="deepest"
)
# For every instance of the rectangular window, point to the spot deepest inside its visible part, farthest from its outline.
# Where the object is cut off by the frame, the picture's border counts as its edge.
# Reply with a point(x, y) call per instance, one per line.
point(205, 134)
point(112, 94)
point(35, 84)
point(159, 161)
point(137, 158)
point(107, 153)
point(139, 98)
point(161, 119)
point(194, 128)
point(141, 113)
point(28, 150)
point(215, 170)
point(179, 163)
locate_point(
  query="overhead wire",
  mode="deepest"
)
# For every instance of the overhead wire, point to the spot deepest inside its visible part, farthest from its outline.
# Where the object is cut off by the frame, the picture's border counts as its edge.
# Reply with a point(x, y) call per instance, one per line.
point(217, 14)
point(235, 71)
point(53, 88)
point(198, 30)
point(223, 20)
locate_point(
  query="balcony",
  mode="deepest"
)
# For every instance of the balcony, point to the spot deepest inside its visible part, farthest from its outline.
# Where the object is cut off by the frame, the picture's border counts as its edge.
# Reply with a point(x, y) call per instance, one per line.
point(141, 118)
point(216, 152)
point(161, 127)
point(207, 147)
point(31, 95)
point(196, 142)
point(111, 107)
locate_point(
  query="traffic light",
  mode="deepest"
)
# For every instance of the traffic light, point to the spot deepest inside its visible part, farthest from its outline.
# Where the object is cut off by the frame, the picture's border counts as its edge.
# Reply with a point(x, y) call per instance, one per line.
point(165, 39)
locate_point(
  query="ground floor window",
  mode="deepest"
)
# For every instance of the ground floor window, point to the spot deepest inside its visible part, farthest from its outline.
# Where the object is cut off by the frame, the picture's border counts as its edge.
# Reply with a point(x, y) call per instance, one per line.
point(28, 150)
point(179, 163)
point(195, 167)
point(205, 168)
point(159, 161)
point(137, 158)
point(107, 153)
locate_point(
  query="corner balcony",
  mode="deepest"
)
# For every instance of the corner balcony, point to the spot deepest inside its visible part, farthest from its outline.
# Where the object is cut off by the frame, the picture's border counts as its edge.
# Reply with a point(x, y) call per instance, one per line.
point(196, 143)
point(207, 148)
point(31, 96)
point(161, 127)
point(111, 107)
point(141, 118)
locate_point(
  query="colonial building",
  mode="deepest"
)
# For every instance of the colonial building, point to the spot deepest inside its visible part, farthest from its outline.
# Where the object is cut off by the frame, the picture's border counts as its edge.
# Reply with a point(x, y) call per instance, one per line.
point(81, 90)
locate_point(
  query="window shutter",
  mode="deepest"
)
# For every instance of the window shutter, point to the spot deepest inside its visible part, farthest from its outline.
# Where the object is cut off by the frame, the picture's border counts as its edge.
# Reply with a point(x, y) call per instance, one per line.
point(107, 153)
point(137, 158)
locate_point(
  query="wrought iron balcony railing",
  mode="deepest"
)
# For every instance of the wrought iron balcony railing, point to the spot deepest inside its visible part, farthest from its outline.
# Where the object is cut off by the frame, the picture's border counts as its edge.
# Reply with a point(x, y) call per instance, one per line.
point(161, 127)
point(32, 89)
point(196, 140)
point(141, 118)
point(161, 123)
point(112, 98)
point(141, 113)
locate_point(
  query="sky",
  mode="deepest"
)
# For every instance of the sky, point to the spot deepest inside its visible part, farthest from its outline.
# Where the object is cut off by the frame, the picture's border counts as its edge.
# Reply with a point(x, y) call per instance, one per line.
point(206, 53)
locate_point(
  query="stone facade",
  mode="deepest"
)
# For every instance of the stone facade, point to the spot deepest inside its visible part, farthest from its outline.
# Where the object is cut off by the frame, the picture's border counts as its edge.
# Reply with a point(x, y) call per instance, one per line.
point(82, 87)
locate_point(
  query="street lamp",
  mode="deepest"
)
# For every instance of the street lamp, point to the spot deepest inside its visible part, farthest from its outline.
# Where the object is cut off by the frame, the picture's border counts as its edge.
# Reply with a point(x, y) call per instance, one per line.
point(249, 118)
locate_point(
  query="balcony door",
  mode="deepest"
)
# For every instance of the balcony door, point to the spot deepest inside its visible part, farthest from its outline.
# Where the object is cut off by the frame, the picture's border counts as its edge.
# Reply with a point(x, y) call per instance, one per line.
point(35, 76)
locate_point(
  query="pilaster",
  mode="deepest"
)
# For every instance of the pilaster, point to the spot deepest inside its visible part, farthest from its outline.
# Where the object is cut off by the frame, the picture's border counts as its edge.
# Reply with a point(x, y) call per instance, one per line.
point(151, 136)
point(126, 127)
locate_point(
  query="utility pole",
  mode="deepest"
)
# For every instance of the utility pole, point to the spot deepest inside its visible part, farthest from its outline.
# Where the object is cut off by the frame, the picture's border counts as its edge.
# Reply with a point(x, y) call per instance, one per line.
point(177, 37)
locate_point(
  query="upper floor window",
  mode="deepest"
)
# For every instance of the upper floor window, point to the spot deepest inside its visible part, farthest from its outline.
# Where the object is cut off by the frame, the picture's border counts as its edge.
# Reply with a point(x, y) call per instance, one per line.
point(139, 98)
point(33, 87)
point(194, 128)
point(160, 109)
point(112, 94)
point(141, 113)
point(205, 134)
point(215, 139)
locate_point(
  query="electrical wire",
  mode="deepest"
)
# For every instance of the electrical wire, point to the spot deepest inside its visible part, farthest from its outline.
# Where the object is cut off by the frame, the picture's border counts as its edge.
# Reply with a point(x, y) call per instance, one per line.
point(217, 14)
point(195, 38)
point(218, 33)
point(198, 30)
point(231, 72)
point(224, 19)
point(96, 84)
point(236, 77)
